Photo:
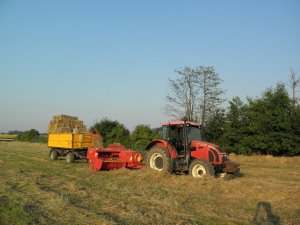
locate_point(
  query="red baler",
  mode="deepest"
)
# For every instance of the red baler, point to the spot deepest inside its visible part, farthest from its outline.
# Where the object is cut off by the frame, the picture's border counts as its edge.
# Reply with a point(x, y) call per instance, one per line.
point(113, 157)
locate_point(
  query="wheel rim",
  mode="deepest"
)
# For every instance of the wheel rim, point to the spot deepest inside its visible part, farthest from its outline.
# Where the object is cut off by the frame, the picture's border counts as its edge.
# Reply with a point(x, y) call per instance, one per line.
point(157, 162)
point(198, 171)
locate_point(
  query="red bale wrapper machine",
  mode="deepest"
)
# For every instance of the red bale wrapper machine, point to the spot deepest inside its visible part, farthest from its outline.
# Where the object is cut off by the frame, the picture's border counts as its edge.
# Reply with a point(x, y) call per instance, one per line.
point(115, 156)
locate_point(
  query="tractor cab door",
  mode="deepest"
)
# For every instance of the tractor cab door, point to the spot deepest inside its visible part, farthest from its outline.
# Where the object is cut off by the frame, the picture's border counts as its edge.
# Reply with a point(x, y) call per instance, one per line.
point(176, 138)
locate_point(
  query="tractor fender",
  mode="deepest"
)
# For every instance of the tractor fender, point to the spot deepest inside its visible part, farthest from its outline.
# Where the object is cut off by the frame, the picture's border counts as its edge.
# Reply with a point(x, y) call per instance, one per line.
point(163, 144)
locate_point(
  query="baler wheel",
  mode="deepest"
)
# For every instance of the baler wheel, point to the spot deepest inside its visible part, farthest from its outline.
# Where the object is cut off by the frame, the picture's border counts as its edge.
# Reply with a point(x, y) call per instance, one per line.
point(200, 168)
point(159, 159)
point(70, 157)
point(53, 155)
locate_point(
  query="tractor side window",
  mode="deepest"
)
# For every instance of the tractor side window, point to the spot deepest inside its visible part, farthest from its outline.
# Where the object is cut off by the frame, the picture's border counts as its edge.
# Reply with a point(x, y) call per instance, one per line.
point(176, 138)
point(164, 133)
point(175, 133)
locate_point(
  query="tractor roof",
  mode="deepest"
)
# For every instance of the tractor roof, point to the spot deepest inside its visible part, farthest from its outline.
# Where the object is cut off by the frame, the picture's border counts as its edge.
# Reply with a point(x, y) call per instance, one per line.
point(181, 123)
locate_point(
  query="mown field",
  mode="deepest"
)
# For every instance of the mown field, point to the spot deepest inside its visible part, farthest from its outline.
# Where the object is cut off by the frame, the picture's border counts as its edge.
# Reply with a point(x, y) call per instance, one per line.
point(35, 190)
point(8, 136)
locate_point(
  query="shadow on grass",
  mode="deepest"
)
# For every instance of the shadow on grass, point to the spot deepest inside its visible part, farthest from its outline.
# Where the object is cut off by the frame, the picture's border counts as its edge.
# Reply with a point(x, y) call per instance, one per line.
point(264, 215)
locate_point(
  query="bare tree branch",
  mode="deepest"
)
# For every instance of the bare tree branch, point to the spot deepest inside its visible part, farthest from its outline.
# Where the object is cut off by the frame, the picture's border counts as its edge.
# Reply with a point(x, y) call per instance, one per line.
point(294, 83)
point(195, 92)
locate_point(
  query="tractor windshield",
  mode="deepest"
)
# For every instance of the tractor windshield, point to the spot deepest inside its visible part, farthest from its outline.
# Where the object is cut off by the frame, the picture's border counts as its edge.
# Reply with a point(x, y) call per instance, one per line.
point(193, 133)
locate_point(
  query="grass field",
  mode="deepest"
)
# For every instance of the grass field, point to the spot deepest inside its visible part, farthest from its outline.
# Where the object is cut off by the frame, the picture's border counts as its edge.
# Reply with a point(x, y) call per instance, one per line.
point(35, 190)
point(5, 136)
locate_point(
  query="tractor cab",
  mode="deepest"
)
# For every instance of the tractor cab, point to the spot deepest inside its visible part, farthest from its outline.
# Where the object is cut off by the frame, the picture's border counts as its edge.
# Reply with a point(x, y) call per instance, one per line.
point(180, 135)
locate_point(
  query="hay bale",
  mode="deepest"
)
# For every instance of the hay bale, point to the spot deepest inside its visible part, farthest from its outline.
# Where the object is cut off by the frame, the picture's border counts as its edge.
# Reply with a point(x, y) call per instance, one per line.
point(66, 124)
point(97, 141)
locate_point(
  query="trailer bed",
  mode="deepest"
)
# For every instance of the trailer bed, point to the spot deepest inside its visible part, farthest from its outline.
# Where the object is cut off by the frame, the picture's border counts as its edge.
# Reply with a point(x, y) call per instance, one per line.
point(70, 141)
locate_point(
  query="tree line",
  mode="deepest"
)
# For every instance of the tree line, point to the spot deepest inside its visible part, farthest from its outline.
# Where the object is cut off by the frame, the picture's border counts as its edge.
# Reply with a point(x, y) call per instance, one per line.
point(269, 124)
point(31, 135)
point(112, 131)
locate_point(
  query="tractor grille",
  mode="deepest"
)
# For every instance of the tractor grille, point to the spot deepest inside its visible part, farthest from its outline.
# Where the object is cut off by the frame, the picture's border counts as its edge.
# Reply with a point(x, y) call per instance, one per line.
point(213, 156)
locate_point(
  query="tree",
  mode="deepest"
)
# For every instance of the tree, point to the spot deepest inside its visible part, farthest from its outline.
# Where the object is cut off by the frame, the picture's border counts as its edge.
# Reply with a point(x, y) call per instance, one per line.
point(236, 125)
point(182, 103)
point(210, 92)
point(112, 131)
point(195, 94)
point(214, 128)
point(31, 135)
point(141, 136)
point(271, 122)
point(15, 132)
point(266, 125)
point(294, 83)
point(119, 134)
point(295, 121)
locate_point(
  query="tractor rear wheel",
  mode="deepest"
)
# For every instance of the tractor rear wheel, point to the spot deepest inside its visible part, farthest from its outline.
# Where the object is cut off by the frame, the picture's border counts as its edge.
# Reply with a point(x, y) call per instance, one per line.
point(200, 168)
point(53, 155)
point(159, 159)
point(70, 157)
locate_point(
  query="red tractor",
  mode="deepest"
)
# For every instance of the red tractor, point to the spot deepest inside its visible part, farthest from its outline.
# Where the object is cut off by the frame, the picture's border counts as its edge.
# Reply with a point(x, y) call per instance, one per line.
point(181, 149)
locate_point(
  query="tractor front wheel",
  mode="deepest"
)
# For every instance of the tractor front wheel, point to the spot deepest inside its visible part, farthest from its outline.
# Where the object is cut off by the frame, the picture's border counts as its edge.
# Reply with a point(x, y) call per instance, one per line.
point(159, 159)
point(200, 168)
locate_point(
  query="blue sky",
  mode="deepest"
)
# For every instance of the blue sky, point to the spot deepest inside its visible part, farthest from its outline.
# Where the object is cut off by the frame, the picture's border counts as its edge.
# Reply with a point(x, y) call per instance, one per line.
point(113, 58)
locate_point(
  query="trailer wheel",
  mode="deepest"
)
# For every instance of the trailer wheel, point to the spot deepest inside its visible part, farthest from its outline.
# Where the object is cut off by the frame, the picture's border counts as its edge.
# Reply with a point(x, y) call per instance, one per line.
point(70, 157)
point(200, 168)
point(53, 155)
point(159, 159)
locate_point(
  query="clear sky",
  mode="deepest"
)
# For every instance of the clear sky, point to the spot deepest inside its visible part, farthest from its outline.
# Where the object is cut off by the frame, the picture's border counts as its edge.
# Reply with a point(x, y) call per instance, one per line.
point(112, 58)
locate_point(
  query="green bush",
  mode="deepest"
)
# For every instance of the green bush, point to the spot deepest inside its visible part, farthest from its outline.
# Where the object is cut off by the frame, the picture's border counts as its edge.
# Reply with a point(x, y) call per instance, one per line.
point(269, 125)
point(32, 136)
point(112, 131)
point(142, 136)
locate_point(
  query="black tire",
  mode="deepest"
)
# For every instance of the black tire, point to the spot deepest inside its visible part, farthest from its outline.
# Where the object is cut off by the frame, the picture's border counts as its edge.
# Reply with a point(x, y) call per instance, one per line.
point(70, 157)
point(159, 159)
point(200, 168)
point(53, 155)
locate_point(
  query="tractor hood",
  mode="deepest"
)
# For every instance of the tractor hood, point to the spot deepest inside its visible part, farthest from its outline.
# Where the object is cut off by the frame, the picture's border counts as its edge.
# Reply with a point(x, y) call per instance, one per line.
point(203, 144)
point(208, 151)
point(206, 146)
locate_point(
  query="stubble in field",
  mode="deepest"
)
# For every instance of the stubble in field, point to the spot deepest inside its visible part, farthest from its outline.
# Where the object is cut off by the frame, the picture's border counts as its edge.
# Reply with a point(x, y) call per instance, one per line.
point(35, 190)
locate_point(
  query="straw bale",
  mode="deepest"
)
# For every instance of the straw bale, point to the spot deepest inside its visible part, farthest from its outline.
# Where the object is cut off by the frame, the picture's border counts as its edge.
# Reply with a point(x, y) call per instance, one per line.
point(66, 124)
point(97, 141)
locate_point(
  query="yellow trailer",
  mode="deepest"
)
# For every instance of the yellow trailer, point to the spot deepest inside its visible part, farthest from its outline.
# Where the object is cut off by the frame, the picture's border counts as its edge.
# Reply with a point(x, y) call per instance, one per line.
point(71, 145)
point(70, 141)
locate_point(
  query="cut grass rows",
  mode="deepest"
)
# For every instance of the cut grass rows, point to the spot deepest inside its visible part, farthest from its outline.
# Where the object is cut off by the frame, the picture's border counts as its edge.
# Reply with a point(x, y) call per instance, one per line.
point(35, 190)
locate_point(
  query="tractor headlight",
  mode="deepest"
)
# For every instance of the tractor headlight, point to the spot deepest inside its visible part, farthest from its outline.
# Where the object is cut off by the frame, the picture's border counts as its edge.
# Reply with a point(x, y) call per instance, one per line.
point(138, 157)
point(224, 157)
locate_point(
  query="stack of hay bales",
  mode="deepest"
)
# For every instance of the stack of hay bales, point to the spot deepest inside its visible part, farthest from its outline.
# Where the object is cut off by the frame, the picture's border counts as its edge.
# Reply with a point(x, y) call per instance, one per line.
point(65, 124)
